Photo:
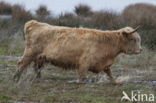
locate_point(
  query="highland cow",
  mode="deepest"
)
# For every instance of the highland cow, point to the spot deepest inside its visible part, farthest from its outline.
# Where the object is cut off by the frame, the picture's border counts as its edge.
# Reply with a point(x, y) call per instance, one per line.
point(76, 48)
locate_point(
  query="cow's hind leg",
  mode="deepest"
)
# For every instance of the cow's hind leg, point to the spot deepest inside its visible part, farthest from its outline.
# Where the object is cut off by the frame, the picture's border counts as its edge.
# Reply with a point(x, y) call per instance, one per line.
point(38, 64)
point(38, 72)
point(23, 63)
point(21, 66)
point(109, 73)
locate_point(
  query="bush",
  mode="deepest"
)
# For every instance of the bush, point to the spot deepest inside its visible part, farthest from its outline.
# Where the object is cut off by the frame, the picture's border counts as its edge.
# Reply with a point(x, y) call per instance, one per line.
point(105, 20)
point(42, 12)
point(140, 14)
point(17, 11)
point(83, 10)
point(68, 19)
point(20, 14)
point(5, 8)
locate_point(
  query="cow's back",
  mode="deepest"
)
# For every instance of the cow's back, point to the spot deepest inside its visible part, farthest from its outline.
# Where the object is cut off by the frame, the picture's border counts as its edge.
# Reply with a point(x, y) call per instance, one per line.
point(66, 46)
point(39, 35)
point(60, 44)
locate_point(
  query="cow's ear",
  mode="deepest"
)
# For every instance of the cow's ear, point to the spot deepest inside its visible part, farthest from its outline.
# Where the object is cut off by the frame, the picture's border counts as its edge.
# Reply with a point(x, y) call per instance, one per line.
point(128, 33)
point(125, 34)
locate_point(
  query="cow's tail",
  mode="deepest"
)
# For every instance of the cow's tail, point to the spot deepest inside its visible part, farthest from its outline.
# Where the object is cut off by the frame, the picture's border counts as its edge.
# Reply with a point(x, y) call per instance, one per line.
point(28, 27)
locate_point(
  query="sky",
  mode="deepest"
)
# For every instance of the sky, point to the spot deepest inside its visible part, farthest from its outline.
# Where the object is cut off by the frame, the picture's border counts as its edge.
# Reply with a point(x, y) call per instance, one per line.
point(61, 6)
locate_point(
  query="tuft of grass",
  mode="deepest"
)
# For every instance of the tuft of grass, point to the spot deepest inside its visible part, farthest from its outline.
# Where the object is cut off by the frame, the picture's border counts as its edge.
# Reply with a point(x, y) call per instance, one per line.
point(50, 99)
point(3, 51)
point(5, 98)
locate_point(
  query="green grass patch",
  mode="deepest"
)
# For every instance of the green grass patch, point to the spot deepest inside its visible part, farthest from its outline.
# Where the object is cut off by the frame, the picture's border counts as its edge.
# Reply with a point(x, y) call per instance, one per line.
point(88, 98)
point(1, 80)
point(50, 99)
point(5, 61)
point(5, 99)
point(5, 50)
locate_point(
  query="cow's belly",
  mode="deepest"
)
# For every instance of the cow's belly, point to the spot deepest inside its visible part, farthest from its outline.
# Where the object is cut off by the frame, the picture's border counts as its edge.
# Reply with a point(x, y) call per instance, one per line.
point(101, 65)
point(64, 53)
point(63, 59)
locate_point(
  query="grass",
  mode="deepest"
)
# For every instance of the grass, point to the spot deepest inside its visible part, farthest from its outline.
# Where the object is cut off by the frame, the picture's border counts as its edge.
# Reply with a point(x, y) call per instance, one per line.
point(5, 99)
point(88, 98)
point(2, 51)
point(54, 86)
point(16, 51)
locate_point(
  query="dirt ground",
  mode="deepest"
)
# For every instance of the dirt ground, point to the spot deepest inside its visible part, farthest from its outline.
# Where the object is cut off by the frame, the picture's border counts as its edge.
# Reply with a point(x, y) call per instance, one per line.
point(135, 72)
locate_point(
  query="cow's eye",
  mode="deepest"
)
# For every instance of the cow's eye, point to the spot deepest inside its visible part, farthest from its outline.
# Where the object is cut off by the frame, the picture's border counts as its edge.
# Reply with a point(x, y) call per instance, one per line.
point(132, 40)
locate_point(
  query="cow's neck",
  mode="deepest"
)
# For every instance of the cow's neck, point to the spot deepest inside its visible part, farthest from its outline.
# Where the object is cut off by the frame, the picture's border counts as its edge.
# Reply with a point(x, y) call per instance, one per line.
point(114, 45)
point(114, 51)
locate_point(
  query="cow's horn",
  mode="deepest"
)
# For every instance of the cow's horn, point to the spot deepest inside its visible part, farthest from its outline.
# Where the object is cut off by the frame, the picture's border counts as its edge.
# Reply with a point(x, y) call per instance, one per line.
point(135, 30)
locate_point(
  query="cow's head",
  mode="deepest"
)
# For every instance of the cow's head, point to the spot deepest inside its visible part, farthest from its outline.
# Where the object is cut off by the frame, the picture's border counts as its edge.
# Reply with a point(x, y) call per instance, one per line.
point(132, 41)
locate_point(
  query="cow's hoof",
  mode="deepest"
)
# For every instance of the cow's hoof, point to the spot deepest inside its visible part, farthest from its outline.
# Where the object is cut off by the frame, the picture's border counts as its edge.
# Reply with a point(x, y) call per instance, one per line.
point(16, 77)
point(38, 76)
point(83, 80)
point(113, 82)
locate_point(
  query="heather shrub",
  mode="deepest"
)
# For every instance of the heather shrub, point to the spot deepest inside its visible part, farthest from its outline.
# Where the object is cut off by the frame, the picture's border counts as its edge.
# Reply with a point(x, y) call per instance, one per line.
point(68, 19)
point(83, 10)
point(105, 20)
point(42, 12)
point(20, 14)
point(5, 8)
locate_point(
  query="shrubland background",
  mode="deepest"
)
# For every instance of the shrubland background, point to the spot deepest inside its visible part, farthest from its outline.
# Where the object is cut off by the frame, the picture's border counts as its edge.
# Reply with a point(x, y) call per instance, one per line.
point(13, 18)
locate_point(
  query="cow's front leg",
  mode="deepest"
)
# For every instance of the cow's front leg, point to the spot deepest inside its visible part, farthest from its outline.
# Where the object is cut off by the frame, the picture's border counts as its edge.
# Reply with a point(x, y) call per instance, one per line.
point(109, 73)
point(82, 74)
